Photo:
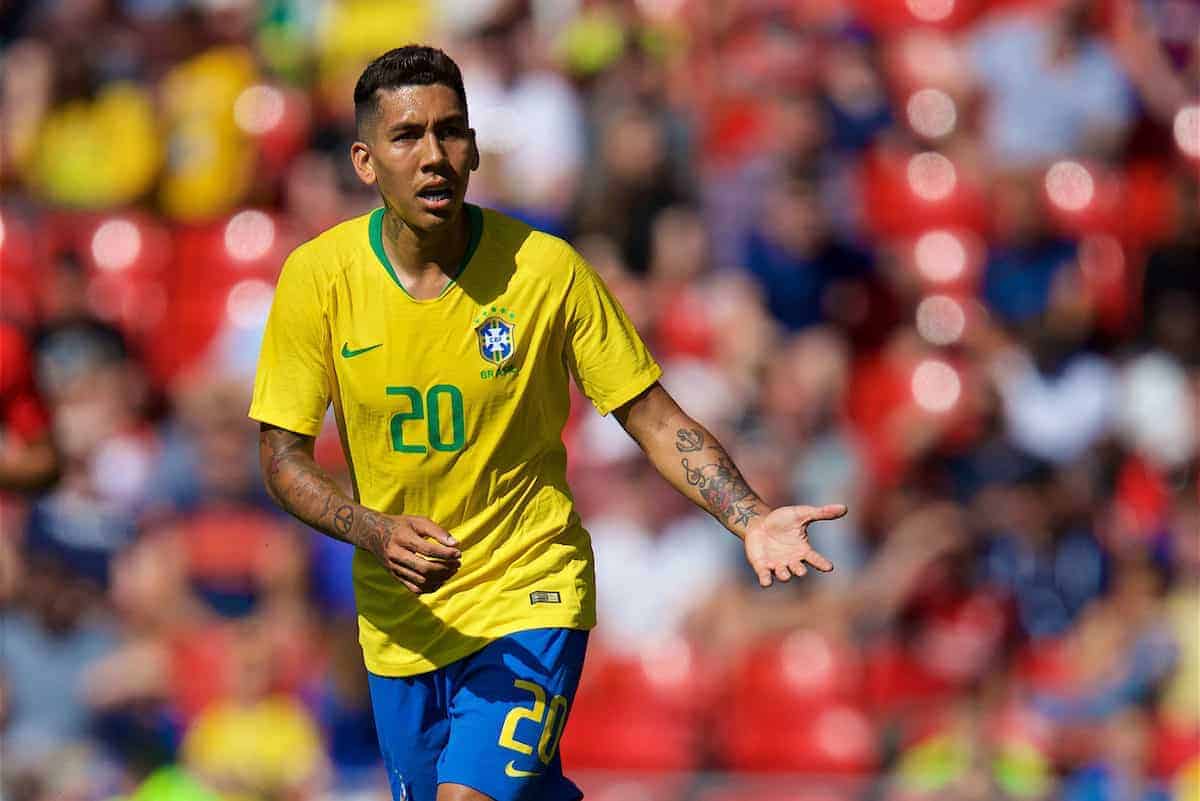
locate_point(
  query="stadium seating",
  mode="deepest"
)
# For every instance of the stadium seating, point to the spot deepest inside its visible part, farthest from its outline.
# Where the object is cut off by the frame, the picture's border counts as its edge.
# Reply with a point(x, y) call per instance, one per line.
point(791, 706)
point(638, 713)
point(800, 788)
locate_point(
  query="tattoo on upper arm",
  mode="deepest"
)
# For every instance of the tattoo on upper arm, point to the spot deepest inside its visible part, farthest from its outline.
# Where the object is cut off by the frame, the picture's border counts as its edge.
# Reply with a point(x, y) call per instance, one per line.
point(283, 446)
point(688, 440)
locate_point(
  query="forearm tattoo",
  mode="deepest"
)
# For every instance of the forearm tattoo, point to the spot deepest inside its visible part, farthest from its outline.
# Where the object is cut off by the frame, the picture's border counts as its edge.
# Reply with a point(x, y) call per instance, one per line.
point(343, 520)
point(688, 440)
point(719, 482)
point(303, 489)
point(372, 534)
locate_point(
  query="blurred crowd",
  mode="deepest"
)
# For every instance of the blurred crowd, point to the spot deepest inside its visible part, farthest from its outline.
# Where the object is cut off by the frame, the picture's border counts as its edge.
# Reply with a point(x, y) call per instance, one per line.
point(936, 259)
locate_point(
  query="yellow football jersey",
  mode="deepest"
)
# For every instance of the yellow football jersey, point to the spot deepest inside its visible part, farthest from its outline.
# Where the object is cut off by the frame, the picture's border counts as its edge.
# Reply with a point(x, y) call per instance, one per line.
point(453, 408)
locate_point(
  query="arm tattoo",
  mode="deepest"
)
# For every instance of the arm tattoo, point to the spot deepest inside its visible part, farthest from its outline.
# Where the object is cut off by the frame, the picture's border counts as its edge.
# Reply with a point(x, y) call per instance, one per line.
point(744, 513)
point(343, 520)
point(688, 440)
point(307, 493)
point(373, 534)
point(722, 487)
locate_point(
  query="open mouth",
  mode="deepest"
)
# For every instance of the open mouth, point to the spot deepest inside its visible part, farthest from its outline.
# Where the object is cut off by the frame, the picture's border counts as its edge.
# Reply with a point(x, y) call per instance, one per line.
point(440, 194)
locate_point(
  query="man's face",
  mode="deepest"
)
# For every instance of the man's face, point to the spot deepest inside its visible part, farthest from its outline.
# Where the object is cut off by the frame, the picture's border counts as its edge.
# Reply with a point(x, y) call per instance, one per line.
point(420, 152)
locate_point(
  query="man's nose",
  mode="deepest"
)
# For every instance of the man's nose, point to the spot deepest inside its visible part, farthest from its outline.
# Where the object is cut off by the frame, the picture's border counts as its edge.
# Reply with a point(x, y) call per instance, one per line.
point(433, 152)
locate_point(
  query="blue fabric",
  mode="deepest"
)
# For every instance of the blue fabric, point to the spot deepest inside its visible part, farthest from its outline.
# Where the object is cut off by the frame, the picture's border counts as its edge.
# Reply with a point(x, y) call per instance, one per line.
point(1017, 281)
point(332, 576)
point(1100, 782)
point(794, 285)
point(1051, 585)
point(464, 724)
point(350, 734)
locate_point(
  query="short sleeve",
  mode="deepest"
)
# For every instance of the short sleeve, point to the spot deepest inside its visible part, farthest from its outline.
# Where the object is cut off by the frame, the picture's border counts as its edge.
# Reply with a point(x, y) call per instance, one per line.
point(291, 386)
point(610, 362)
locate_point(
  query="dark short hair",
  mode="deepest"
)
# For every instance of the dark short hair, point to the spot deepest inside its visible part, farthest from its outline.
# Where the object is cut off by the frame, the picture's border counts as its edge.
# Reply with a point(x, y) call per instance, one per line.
point(411, 65)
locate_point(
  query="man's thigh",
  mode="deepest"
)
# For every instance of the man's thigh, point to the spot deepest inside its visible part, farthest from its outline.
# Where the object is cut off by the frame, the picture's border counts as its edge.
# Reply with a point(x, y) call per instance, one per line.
point(413, 726)
point(508, 706)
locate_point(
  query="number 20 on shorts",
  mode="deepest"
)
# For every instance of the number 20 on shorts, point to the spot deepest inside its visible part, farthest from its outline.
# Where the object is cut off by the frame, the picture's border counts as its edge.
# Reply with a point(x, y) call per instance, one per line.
point(551, 717)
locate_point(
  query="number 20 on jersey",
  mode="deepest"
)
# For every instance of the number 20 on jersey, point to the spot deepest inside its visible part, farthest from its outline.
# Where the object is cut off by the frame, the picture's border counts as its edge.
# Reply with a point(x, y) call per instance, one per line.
point(441, 409)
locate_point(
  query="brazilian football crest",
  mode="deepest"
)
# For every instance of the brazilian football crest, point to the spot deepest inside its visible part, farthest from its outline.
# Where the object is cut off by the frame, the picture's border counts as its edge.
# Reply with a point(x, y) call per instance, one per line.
point(496, 336)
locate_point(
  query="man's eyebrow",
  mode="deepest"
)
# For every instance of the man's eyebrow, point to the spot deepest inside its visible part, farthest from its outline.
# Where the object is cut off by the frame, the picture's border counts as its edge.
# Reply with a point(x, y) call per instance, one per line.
point(408, 124)
point(404, 125)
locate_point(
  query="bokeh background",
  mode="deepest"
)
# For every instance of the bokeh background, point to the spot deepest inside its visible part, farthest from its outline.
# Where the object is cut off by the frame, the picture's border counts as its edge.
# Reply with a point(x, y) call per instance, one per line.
point(936, 259)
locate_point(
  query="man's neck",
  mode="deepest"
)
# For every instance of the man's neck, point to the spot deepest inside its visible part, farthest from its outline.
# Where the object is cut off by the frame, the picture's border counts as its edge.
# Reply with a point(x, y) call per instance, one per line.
point(425, 261)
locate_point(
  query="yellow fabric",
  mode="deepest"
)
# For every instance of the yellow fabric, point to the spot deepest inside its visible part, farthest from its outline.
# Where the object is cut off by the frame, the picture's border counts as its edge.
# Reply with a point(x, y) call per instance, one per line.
point(98, 154)
point(1181, 701)
point(503, 494)
point(267, 747)
point(211, 161)
point(1186, 785)
point(352, 32)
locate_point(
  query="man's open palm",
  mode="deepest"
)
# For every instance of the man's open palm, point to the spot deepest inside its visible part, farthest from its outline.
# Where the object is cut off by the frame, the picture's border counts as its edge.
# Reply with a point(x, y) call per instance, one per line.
point(777, 545)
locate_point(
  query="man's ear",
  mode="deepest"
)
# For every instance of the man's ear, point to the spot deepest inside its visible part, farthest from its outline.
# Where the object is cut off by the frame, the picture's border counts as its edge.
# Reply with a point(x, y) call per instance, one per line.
point(360, 157)
point(474, 152)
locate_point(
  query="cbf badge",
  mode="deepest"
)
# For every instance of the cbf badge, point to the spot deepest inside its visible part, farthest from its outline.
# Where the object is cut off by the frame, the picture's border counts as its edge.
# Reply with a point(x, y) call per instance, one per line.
point(496, 334)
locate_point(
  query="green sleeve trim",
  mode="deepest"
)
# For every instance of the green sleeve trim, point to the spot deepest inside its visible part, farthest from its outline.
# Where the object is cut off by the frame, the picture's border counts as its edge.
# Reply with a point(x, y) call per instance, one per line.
point(375, 234)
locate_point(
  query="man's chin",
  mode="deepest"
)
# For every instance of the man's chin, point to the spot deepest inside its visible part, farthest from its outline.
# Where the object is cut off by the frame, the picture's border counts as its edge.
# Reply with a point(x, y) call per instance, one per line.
point(432, 216)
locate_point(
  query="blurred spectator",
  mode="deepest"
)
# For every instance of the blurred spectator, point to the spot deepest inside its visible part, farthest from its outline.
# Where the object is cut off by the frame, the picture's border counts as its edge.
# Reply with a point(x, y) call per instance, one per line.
point(529, 119)
point(1053, 86)
point(99, 145)
point(794, 255)
point(257, 742)
point(1023, 551)
point(50, 640)
point(634, 185)
point(1026, 256)
point(97, 393)
point(208, 453)
point(1058, 373)
point(857, 98)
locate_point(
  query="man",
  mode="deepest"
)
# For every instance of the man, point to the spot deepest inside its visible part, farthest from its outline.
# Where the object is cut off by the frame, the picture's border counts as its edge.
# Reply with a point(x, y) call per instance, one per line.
point(444, 334)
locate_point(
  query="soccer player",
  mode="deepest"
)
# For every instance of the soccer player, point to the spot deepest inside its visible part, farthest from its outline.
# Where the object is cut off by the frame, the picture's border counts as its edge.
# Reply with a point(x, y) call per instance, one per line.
point(444, 334)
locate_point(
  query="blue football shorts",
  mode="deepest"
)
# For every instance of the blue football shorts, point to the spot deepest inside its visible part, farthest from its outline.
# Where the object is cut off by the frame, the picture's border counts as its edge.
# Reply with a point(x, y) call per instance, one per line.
point(491, 721)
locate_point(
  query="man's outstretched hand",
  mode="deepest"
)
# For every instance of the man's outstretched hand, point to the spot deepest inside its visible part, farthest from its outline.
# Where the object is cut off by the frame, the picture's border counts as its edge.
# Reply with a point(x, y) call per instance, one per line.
point(777, 545)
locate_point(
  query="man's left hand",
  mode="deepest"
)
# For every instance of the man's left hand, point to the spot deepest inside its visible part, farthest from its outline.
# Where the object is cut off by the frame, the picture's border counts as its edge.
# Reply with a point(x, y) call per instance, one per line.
point(777, 545)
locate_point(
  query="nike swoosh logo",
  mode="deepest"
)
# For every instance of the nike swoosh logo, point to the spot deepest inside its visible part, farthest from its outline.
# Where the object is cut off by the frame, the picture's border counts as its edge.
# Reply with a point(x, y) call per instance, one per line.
point(512, 770)
point(350, 354)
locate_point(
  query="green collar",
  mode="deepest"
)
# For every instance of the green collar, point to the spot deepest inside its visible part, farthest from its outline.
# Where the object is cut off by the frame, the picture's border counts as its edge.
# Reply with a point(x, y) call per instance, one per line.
point(375, 233)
